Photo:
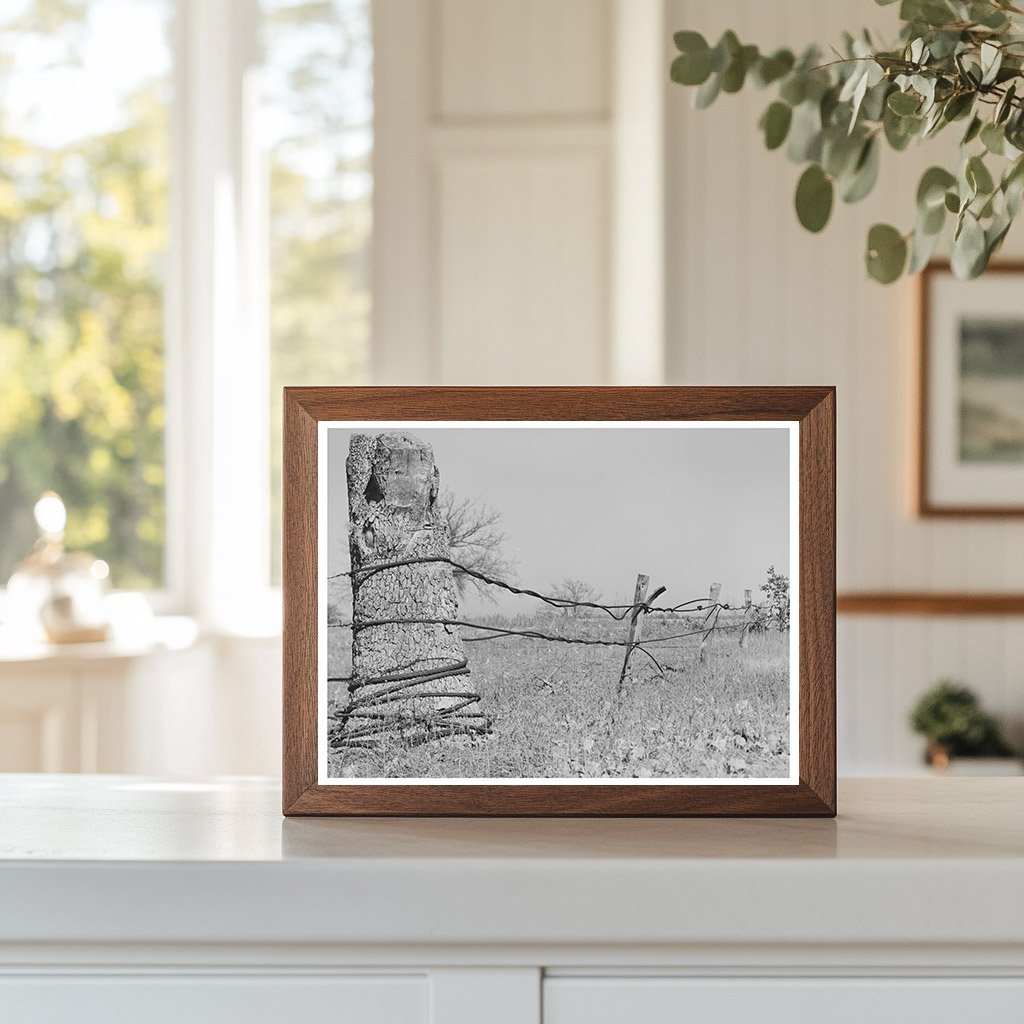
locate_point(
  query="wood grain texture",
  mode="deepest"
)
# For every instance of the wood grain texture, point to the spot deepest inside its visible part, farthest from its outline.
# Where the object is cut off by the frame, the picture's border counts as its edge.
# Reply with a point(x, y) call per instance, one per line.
point(812, 407)
point(299, 595)
point(925, 603)
point(925, 506)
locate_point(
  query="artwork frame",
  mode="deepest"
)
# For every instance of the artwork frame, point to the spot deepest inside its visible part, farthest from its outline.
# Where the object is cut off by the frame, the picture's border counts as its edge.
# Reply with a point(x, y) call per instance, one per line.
point(955, 475)
point(811, 410)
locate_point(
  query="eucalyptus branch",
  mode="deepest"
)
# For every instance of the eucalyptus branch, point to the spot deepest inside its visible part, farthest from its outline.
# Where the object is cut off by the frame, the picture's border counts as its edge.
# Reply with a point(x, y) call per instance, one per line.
point(955, 61)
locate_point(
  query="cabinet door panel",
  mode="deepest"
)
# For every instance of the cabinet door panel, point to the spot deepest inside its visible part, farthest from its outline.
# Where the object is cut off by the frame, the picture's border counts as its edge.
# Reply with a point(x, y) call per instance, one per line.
point(202, 999)
point(782, 1001)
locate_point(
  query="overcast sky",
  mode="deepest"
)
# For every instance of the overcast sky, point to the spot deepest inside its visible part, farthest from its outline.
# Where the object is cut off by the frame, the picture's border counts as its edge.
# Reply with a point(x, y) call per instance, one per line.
point(687, 506)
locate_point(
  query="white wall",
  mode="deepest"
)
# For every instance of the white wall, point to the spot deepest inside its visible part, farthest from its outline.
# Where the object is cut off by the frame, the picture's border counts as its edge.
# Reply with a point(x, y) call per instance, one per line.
point(501, 152)
point(754, 299)
point(514, 154)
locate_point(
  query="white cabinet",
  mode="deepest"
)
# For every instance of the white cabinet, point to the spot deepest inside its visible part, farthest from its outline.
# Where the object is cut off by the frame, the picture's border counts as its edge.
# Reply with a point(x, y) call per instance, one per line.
point(829, 1000)
point(202, 999)
point(172, 704)
point(127, 899)
point(101, 707)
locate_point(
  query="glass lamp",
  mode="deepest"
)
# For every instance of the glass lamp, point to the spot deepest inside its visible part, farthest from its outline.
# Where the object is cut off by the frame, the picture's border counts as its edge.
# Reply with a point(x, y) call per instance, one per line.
point(56, 595)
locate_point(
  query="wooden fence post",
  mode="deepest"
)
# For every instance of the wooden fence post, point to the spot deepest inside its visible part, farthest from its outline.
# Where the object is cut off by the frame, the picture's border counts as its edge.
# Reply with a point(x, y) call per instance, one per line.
point(705, 640)
point(745, 628)
point(635, 628)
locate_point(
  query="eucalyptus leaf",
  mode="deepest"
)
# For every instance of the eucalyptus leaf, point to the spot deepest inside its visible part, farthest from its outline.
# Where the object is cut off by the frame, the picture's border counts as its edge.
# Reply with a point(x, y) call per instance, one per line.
point(1005, 105)
point(922, 248)
point(978, 176)
point(735, 74)
point(724, 51)
point(968, 255)
point(794, 88)
point(991, 60)
point(865, 173)
point(904, 103)
point(840, 152)
point(931, 190)
point(973, 130)
point(805, 133)
point(993, 138)
point(987, 15)
point(886, 253)
point(955, 60)
point(958, 105)
point(775, 124)
point(771, 69)
point(932, 221)
point(688, 69)
point(814, 196)
point(707, 93)
point(900, 130)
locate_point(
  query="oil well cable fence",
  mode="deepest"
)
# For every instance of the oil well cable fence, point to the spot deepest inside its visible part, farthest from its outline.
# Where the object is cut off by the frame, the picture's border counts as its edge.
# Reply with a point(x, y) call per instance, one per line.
point(369, 714)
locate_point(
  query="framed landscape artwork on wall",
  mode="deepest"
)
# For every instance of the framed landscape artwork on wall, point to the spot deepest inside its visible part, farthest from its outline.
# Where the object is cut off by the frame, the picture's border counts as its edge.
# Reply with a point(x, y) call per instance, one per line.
point(970, 451)
point(589, 601)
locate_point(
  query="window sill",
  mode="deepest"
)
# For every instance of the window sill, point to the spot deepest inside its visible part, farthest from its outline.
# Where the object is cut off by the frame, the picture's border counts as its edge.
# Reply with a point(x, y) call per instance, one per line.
point(160, 633)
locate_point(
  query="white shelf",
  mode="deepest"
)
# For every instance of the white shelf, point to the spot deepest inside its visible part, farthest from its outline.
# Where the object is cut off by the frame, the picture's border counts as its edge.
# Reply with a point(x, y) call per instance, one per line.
point(125, 860)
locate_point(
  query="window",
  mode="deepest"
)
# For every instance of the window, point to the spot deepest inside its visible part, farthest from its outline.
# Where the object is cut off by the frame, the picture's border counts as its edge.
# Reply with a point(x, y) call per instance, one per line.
point(185, 221)
point(317, 88)
point(83, 235)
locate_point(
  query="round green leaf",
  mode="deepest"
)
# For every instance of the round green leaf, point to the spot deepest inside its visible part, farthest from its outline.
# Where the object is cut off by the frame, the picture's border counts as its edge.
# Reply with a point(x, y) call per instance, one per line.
point(930, 221)
point(707, 93)
point(993, 138)
point(693, 65)
point(932, 189)
point(973, 130)
point(725, 49)
point(958, 106)
point(814, 195)
point(840, 152)
point(887, 253)
point(865, 173)
point(735, 74)
point(922, 248)
point(899, 130)
point(794, 89)
point(968, 256)
point(775, 123)
point(805, 133)
point(978, 176)
point(952, 202)
point(770, 69)
point(903, 103)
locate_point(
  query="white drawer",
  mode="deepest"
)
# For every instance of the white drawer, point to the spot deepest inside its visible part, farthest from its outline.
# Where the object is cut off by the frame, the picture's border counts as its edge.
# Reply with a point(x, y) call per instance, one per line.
point(782, 1001)
point(205, 999)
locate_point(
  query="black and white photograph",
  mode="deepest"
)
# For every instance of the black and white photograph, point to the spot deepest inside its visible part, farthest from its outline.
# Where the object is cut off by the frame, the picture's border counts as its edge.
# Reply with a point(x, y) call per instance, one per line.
point(571, 601)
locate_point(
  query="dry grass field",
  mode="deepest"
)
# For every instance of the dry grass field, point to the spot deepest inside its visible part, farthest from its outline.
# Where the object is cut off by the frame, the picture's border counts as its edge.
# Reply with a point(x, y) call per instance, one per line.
point(555, 713)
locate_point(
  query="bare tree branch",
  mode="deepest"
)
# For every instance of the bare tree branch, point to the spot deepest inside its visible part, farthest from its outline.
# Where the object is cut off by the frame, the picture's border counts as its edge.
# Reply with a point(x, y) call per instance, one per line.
point(476, 541)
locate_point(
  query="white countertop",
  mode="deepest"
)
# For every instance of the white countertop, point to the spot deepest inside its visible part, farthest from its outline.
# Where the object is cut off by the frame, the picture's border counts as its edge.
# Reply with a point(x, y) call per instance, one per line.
point(121, 859)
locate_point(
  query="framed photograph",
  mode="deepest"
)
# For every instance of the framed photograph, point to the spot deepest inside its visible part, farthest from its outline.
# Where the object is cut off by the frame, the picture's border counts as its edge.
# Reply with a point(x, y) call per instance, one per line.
point(559, 601)
point(970, 451)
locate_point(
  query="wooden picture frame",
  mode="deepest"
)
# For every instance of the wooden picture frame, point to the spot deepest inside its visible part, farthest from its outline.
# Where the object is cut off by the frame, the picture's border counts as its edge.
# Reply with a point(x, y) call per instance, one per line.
point(941, 489)
point(807, 412)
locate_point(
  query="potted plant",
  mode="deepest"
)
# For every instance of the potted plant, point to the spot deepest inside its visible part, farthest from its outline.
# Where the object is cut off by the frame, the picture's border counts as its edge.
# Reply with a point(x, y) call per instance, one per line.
point(950, 717)
point(957, 62)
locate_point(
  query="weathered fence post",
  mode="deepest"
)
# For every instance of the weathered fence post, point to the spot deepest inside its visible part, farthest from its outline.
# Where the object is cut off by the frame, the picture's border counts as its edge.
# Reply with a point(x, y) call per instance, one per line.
point(409, 670)
point(635, 629)
point(745, 627)
point(716, 589)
